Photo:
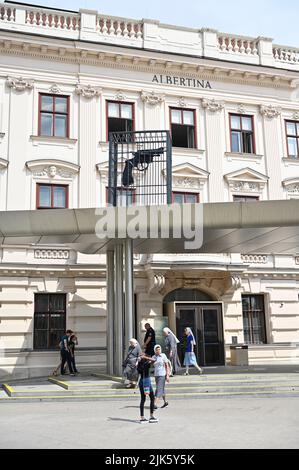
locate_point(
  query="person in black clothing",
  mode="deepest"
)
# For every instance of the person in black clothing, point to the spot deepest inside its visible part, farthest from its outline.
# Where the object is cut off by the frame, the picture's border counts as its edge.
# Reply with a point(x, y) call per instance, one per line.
point(65, 353)
point(145, 388)
point(149, 340)
point(73, 341)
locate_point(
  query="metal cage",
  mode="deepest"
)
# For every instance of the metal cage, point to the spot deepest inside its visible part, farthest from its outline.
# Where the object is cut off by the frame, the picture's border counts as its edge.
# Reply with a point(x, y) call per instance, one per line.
point(139, 168)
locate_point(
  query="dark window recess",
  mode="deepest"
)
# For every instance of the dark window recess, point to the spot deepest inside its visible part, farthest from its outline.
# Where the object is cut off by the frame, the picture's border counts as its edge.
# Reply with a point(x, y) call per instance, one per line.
point(120, 117)
point(246, 198)
point(254, 319)
point(49, 320)
point(183, 128)
point(242, 135)
point(292, 130)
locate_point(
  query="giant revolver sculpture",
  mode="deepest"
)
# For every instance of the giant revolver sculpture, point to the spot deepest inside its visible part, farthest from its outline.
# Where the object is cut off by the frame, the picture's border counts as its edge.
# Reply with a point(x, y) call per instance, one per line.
point(141, 161)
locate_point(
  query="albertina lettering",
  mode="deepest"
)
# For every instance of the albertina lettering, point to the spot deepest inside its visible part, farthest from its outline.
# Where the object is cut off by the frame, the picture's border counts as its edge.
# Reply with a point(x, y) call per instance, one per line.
point(180, 81)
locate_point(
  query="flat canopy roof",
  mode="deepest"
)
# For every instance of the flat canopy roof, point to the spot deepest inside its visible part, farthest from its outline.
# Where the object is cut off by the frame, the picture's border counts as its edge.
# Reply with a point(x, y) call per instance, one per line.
point(259, 227)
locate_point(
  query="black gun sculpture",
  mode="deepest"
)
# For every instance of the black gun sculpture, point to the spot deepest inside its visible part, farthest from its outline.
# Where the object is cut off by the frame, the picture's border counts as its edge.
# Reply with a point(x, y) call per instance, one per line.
point(141, 161)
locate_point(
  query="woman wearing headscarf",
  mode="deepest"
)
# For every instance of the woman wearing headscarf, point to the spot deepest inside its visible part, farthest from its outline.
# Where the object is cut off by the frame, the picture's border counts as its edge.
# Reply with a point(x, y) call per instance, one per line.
point(171, 349)
point(190, 358)
point(130, 363)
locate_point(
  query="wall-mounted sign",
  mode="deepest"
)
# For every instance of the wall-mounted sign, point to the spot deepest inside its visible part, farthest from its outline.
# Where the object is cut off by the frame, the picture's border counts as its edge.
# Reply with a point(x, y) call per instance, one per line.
point(181, 81)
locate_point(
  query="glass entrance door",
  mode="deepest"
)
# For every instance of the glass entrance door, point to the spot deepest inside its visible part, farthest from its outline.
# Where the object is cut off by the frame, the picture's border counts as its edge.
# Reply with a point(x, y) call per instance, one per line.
point(205, 320)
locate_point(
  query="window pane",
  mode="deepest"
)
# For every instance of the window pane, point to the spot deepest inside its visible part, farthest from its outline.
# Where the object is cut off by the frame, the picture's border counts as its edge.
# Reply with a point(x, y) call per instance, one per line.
point(191, 198)
point(176, 116)
point(59, 197)
point(41, 303)
point(235, 122)
point(44, 196)
point(297, 128)
point(57, 302)
point(46, 124)
point(248, 142)
point(41, 339)
point(41, 321)
point(47, 103)
point(126, 111)
point(236, 142)
point(178, 198)
point(291, 128)
point(60, 126)
point(125, 198)
point(113, 110)
point(292, 144)
point(247, 124)
point(188, 117)
point(61, 105)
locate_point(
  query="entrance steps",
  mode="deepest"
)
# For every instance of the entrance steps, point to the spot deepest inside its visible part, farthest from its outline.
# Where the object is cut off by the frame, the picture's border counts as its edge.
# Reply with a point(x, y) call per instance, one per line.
point(99, 386)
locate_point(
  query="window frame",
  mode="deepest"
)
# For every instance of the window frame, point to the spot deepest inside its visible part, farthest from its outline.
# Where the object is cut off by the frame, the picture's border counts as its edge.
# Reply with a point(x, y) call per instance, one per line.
point(132, 104)
point(174, 108)
point(263, 330)
point(292, 121)
point(185, 194)
point(255, 198)
point(52, 185)
point(67, 114)
point(231, 130)
point(48, 314)
point(121, 189)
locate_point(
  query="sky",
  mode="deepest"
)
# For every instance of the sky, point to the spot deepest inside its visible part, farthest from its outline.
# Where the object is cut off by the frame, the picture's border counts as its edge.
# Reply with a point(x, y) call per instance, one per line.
point(276, 19)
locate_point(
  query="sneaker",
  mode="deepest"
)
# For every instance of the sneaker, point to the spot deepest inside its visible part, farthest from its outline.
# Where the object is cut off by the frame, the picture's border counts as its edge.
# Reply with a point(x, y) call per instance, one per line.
point(143, 420)
point(165, 404)
point(153, 420)
point(73, 375)
point(186, 373)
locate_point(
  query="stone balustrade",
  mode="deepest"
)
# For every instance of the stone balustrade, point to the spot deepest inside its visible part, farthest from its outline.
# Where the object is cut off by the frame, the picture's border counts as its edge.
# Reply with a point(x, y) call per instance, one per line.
point(89, 25)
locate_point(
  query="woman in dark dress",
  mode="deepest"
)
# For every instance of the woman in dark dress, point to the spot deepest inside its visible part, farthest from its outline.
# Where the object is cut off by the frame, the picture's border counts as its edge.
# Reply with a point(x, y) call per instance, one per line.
point(130, 363)
point(171, 349)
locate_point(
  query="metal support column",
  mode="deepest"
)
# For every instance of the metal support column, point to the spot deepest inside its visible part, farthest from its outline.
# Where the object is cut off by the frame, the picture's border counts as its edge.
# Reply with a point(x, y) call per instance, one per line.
point(118, 312)
point(110, 311)
point(129, 290)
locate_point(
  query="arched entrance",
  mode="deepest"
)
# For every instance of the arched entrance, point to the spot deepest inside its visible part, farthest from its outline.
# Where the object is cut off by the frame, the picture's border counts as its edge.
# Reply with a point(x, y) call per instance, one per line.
point(199, 311)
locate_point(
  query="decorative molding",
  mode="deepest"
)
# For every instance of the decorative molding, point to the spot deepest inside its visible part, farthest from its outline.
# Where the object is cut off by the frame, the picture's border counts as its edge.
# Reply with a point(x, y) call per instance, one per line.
point(293, 188)
point(19, 84)
point(245, 186)
point(270, 111)
point(156, 282)
point(152, 98)
point(241, 109)
point(181, 102)
point(52, 168)
point(51, 254)
point(212, 105)
point(120, 96)
point(255, 259)
point(187, 176)
point(87, 91)
point(296, 259)
point(55, 89)
point(246, 180)
point(186, 183)
point(296, 116)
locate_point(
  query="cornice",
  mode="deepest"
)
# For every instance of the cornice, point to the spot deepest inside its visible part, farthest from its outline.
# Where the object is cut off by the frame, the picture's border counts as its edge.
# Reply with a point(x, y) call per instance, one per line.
point(145, 64)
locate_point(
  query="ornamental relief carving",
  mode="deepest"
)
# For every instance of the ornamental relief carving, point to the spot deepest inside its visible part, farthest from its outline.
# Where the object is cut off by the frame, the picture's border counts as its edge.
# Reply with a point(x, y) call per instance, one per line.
point(213, 105)
point(185, 182)
point(245, 186)
point(19, 84)
point(152, 98)
point(87, 91)
point(293, 188)
point(51, 254)
point(255, 259)
point(120, 96)
point(55, 89)
point(52, 171)
point(270, 111)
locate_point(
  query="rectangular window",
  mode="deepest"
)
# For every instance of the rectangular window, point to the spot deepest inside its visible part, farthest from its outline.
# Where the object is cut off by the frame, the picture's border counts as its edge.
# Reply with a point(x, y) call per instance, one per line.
point(183, 127)
point(50, 196)
point(254, 319)
point(245, 198)
point(120, 117)
point(242, 133)
point(49, 320)
point(292, 130)
point(124, 197)
point(185, 198)
point(53, 115)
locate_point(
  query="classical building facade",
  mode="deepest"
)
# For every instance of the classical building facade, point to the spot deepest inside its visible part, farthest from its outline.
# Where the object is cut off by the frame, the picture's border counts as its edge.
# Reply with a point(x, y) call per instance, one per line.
point(232, 106)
